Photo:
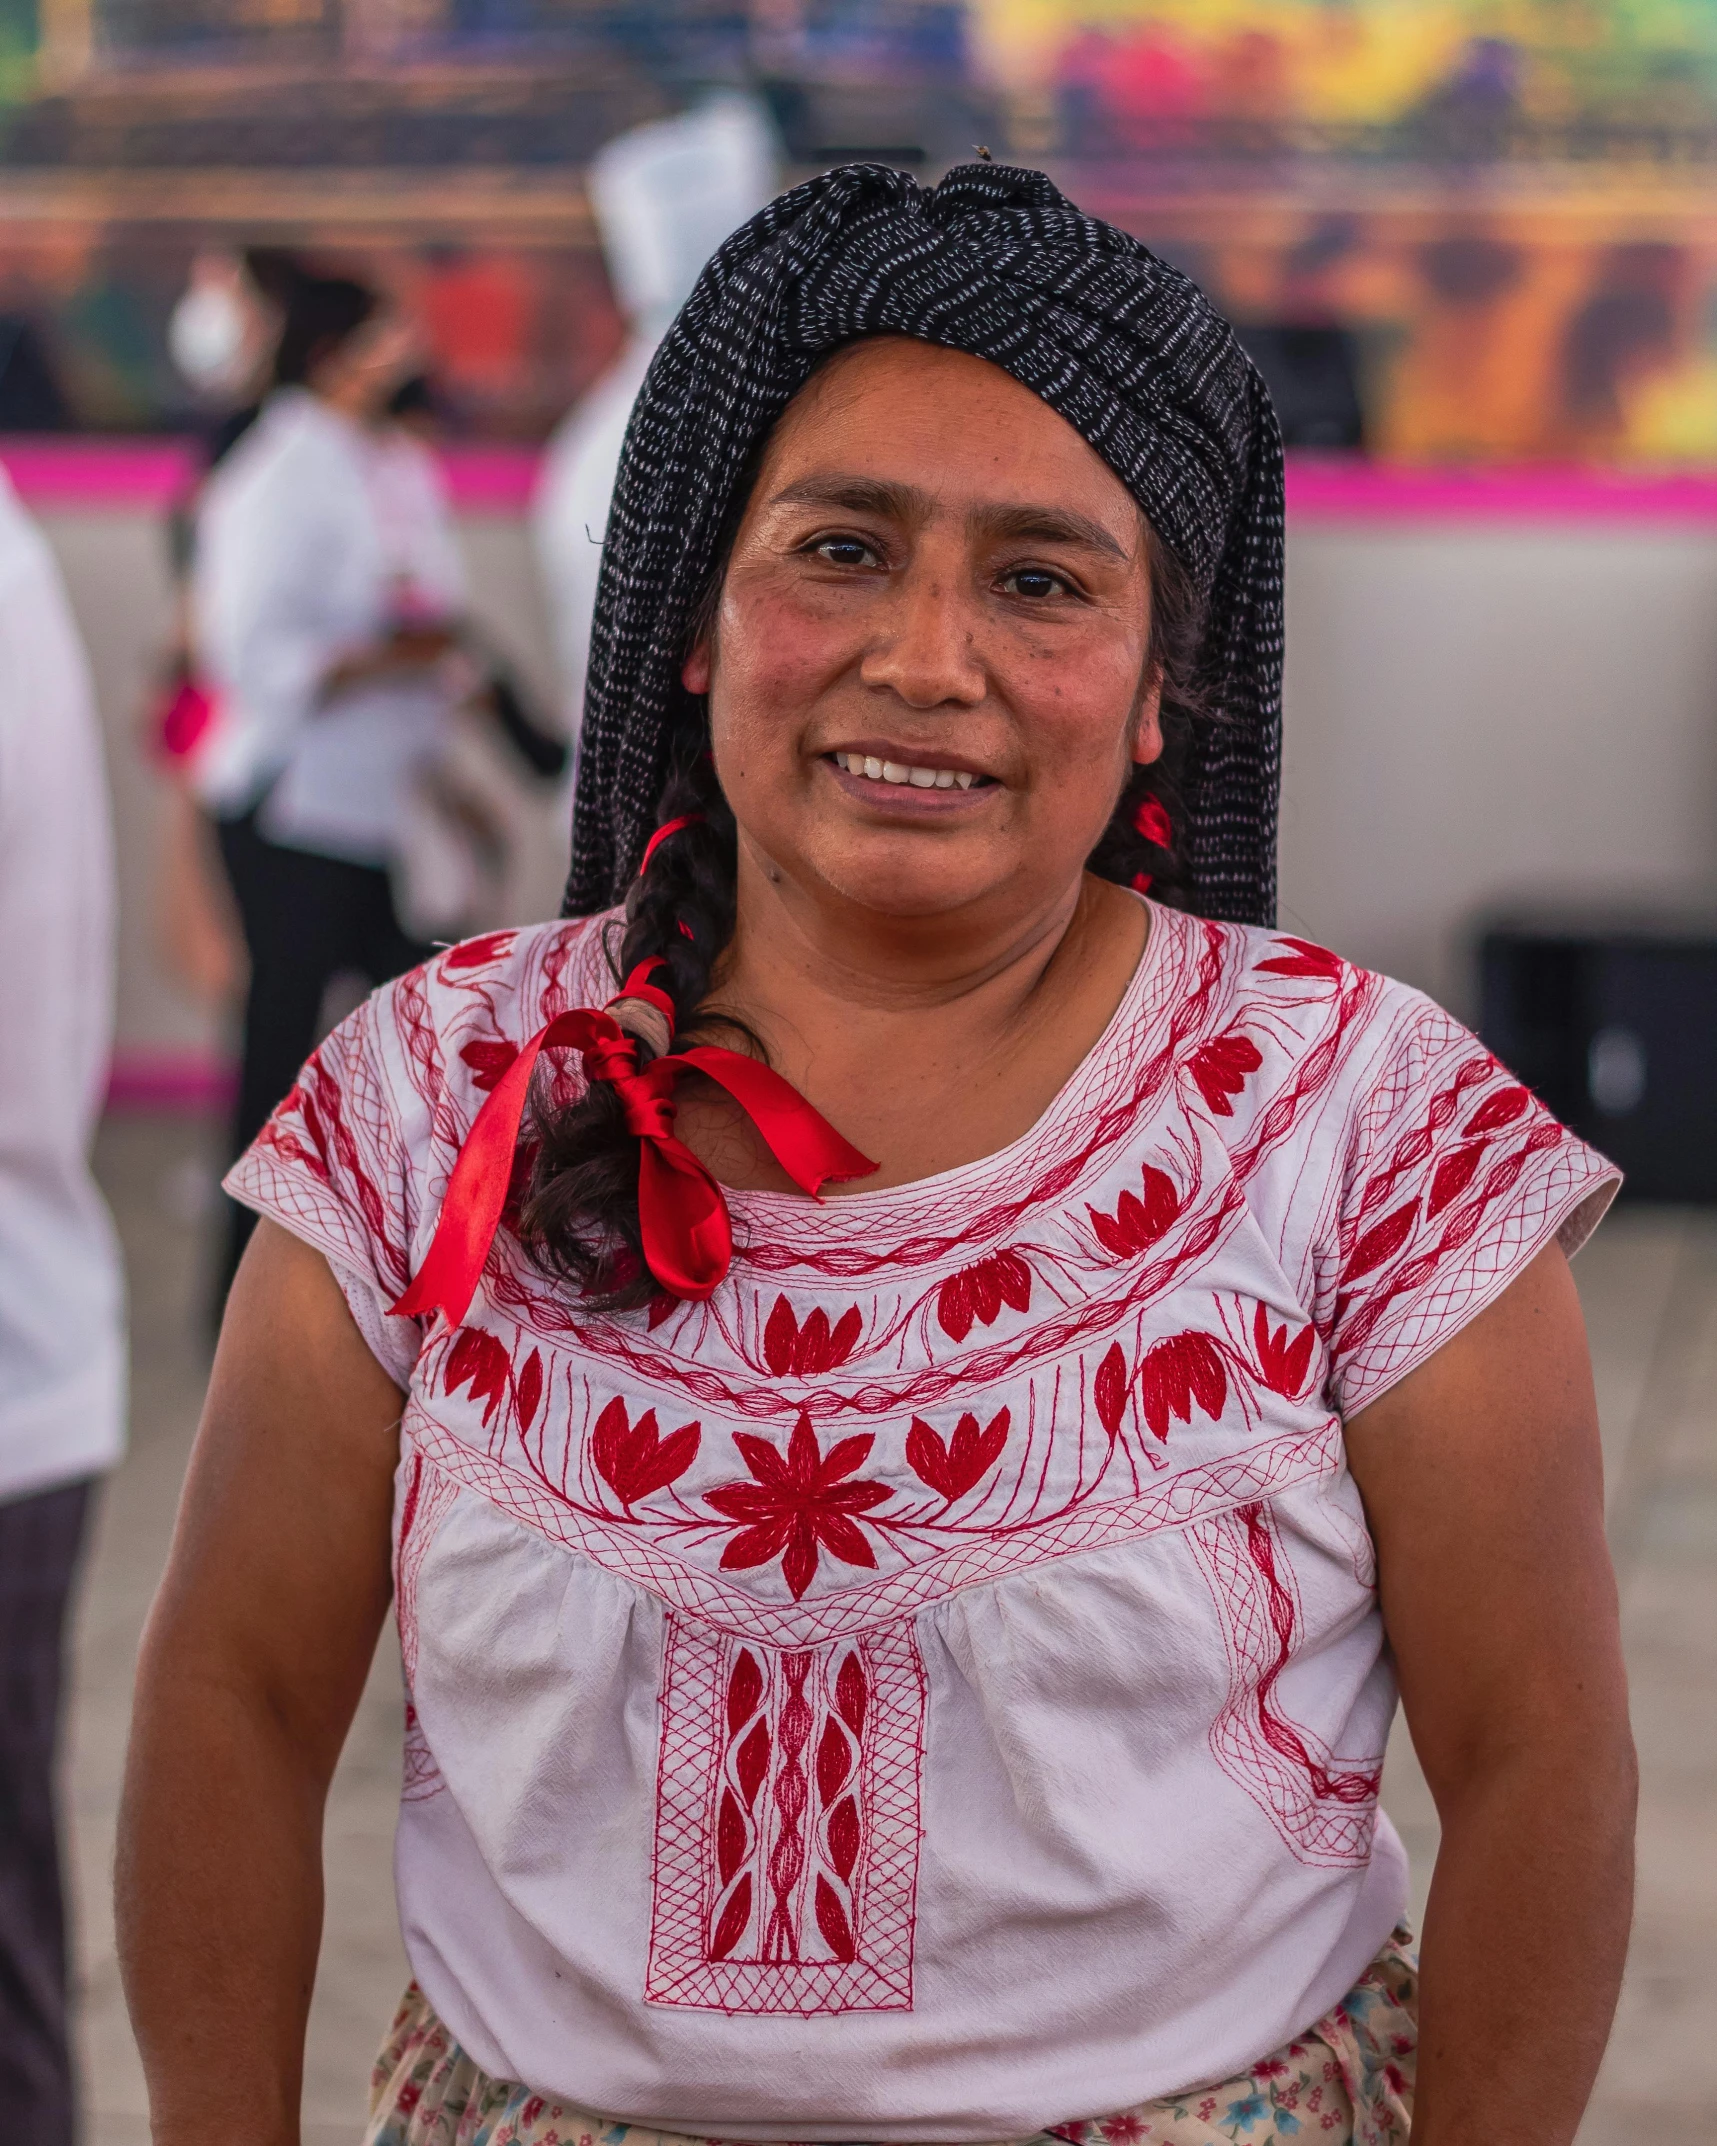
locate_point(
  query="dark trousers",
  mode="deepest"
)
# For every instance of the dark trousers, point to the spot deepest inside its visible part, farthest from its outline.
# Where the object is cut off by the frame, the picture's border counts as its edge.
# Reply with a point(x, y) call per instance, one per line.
point(39, 1541)
point(306, 920)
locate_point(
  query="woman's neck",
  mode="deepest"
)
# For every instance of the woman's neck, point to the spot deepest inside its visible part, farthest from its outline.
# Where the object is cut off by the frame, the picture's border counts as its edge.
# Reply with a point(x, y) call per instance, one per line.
point(928, 1043)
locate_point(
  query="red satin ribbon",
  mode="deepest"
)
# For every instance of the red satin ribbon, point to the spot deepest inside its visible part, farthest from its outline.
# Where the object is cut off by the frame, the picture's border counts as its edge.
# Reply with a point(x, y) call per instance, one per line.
point(688, 1235)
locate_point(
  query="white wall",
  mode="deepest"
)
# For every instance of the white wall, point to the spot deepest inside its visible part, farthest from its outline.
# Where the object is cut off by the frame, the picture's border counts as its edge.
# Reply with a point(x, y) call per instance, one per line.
point(1474, 714)
point(1479, 714)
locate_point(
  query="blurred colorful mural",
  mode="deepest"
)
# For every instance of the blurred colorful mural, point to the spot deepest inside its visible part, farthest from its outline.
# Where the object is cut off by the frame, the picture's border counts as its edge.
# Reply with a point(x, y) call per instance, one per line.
point(1453, 230)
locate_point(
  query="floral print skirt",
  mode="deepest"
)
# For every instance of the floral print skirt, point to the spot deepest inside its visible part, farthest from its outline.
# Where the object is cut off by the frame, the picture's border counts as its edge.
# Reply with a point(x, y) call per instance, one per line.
point(1348, 2081)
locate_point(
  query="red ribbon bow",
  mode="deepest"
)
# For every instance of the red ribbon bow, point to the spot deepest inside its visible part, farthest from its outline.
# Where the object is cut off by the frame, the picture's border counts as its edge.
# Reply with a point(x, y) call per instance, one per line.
point(687, 1232)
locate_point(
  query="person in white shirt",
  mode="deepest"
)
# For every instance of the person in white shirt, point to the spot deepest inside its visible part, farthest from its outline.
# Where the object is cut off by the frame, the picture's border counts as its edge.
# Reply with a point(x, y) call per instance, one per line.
point(664, 196)
point(326, 597)
point(62, 1348)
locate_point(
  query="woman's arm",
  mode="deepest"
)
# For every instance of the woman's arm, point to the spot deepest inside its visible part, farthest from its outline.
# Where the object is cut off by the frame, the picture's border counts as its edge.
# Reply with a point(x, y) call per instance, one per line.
point(1483, 1480)
point(252, 1664)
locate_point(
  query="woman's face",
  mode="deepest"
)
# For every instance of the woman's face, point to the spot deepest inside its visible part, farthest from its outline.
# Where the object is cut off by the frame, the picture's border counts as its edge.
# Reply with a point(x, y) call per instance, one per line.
point(929, 669)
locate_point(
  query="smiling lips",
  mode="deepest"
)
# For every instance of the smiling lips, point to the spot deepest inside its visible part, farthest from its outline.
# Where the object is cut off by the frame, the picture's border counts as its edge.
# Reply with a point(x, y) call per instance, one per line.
point(903, 776)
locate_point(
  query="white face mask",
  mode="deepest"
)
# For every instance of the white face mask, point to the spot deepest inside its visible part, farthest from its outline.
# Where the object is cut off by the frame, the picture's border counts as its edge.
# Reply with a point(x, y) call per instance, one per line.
point(208, 337)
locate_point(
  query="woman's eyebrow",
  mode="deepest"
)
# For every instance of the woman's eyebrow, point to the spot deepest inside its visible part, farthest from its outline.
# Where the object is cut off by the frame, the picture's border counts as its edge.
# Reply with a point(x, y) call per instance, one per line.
point(1048, 525)
point(855, 495)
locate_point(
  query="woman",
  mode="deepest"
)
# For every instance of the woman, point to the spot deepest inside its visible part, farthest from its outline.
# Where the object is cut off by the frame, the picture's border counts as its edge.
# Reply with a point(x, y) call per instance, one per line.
point(327, 583)
point(913, 1666)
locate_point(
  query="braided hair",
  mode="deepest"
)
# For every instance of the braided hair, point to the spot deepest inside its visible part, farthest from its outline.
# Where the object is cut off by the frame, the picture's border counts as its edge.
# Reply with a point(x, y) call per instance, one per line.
point(579, 1218)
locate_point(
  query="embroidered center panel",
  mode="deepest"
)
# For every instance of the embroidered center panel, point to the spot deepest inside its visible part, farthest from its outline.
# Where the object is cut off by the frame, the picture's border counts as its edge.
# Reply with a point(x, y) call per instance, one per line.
point(787, 1822)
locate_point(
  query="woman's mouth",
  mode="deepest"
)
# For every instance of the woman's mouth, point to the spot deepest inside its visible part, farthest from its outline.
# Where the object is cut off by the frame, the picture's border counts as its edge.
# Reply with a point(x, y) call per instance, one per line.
point(906, 775)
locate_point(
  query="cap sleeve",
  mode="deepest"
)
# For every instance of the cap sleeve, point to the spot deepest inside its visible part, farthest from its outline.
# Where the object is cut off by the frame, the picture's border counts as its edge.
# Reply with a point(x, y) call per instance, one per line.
point(1454, 1178)
point(338, 1164)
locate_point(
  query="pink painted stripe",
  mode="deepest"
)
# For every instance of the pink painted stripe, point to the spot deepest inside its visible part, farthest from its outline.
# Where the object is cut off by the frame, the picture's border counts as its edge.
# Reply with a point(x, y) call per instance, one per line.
point(1329, 489)
point(149, 476)
point(187, 1081)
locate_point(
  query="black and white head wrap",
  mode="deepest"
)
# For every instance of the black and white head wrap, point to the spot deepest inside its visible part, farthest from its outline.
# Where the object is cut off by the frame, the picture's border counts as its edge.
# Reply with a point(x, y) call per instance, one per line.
point(996, 262)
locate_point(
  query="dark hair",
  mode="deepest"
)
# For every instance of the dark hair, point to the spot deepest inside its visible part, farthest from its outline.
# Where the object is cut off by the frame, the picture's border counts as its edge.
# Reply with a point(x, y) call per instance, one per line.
point(579, 1214)
point(321, 314)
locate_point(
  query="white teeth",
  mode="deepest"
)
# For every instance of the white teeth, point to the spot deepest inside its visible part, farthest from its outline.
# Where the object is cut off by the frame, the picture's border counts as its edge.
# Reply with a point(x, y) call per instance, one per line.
point(902, 775)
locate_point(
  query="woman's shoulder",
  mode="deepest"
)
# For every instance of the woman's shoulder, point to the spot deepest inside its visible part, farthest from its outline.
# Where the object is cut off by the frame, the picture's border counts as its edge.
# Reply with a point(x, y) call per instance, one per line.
point(454, 1025)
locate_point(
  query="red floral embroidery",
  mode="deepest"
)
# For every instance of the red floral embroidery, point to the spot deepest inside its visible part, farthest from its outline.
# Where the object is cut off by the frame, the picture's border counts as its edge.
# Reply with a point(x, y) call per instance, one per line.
point(980, 1292)
point(635, 1459)
point(477, 1359)
point(1452, 1177)
point(792, 1350)
point(528, 1392)
point(1305, 960)
point(478, 953)
point(488, 1057)
point(1282, 1363)
point(1176, 1373)
point(1137, 1224)
point(1109, 1390)
point(798, 1504)
point(1381, 1242)
point(1220, 1068)
point(954, 1468)
point(1502, 1109)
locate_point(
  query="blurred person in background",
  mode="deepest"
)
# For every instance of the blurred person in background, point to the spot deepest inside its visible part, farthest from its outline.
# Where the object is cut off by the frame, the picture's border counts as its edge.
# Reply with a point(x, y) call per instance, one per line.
point(62, 1353)
point(326, 592)
point(221, 337)
point(664, 196)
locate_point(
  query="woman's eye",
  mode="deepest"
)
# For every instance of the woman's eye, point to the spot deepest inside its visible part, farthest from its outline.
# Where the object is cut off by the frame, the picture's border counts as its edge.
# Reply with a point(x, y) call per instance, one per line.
point(1034, 581)
point(844, 551)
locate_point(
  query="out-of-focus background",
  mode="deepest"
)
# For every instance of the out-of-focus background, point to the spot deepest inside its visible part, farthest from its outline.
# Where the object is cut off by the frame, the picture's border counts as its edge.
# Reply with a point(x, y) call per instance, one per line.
point(1472, 244)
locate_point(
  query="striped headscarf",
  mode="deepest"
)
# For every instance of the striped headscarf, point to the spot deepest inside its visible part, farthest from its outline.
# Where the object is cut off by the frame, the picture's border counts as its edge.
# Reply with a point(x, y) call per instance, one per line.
point(996, 262)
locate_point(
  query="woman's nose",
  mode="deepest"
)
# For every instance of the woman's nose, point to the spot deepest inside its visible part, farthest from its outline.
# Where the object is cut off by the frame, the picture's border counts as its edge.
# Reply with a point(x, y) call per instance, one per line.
point(927, 648)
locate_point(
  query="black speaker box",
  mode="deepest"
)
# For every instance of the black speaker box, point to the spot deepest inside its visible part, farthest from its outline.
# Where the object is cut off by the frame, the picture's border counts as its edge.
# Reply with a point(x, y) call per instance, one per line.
point(1615, 1028)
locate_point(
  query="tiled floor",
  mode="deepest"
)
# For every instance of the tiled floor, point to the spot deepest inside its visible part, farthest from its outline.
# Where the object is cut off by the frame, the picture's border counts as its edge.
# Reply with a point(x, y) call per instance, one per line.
point(1649, 1282)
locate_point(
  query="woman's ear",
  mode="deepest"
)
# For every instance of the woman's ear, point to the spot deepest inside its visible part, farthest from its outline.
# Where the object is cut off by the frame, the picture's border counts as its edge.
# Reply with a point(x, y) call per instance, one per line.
point(694, 672)
point(1147, 739)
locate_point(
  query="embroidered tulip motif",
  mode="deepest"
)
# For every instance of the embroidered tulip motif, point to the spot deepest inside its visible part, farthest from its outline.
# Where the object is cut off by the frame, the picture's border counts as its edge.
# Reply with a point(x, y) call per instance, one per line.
point(1305, 960)
point(797, 1505)
point(635, 1459)
point(792, 1350)
point(980, 1292)
point(1220, 1067)
point(478, 953)
point(478, 1360)
point(1282, 1362)
point(488, 1057)
point(953, 1468)
point(1186, 1368)
point(1137, 1224)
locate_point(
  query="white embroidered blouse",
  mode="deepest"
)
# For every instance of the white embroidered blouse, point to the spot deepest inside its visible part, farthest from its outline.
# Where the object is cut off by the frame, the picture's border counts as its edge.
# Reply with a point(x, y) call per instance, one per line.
point(936, 1688)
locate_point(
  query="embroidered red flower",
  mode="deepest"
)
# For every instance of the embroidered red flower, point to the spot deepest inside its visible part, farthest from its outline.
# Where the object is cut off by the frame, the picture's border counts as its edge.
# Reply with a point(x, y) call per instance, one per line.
point(488, 1057)
point(792, 1350)
point(635, 1459)
point(1176, 1373)
point(1220, 1068)
point(953, 1468)
point(1382, 1242)
point(1137, 1224)
point(797, 1504)
point(1109, 1390)
point(1502, 1109)
point(1305, 960)
point(478, 953)
point(980, 1292)
point(1283, 1363)
point(478, 1360)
